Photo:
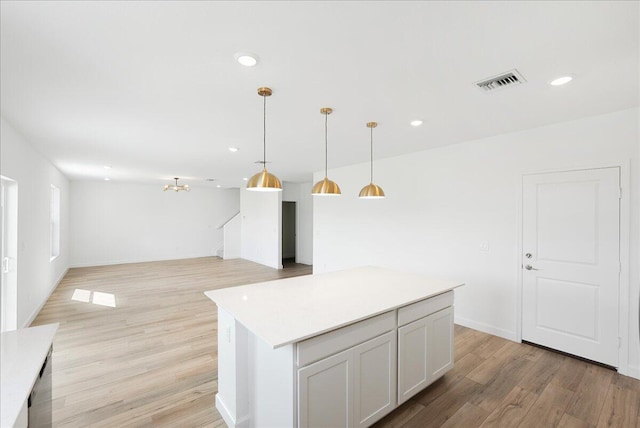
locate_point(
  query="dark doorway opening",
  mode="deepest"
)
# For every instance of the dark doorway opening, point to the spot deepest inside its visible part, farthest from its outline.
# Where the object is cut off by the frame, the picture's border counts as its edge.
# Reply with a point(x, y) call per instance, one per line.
point(288, 233)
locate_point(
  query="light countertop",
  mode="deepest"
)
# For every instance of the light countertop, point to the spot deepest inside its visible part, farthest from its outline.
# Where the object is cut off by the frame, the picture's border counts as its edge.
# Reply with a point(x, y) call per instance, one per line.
point(290, 310)
point(21, 357)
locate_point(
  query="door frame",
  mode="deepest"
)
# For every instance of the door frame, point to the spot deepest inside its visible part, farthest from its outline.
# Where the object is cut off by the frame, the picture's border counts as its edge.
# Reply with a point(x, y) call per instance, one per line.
point(12, 323)
point(623, 290)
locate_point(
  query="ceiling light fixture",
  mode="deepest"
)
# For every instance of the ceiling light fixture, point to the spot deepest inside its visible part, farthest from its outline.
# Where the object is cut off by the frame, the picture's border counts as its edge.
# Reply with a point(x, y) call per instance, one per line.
point(233, 149)
point(326, 187)
point(246, 59)
point(416, 122)
point(264, 181)
point(176, 187)
point(107, 179)
point(108, 167)
point(561, 81)
point(371, 191)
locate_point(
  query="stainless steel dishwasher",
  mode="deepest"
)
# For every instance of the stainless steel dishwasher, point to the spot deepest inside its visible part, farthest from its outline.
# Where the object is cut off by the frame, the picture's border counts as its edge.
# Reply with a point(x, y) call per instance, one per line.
point(40, 410)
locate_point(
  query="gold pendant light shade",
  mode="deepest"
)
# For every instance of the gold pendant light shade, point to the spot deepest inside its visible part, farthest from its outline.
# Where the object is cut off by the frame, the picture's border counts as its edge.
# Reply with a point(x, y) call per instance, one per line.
point(371, 191)
point(326, 187)
point(264, 181)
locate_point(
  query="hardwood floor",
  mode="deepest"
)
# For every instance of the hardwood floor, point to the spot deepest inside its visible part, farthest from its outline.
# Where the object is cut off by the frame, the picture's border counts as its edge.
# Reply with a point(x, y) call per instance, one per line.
point(499, 383)
point(152, 360)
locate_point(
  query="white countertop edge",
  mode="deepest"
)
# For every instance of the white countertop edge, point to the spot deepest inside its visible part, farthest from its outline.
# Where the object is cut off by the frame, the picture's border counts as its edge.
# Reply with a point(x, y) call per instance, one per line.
point(337, 326)
point(221, 295)
point(22, 353)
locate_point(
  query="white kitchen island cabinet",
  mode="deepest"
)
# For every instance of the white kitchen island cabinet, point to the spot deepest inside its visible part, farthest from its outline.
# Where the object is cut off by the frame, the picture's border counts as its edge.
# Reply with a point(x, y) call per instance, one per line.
point(340, 349)
point(353, 388)
point(425, 344)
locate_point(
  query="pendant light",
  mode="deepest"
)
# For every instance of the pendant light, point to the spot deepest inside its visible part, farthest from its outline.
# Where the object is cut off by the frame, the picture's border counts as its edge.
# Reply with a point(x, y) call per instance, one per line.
point(371, 191)
point(326, 187)
point(264, 181)
point(176, 187)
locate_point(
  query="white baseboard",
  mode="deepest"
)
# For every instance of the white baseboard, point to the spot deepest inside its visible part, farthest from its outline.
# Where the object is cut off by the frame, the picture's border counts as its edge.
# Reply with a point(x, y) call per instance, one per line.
point(631, 371)
point(142, 260)
point(226, 415)
point(35, 313)
point(486, 328)
point(276, 266)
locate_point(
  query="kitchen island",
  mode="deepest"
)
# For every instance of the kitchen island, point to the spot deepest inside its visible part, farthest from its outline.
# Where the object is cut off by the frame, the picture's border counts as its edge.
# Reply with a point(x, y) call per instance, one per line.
point(335, 349)
point(22, 355)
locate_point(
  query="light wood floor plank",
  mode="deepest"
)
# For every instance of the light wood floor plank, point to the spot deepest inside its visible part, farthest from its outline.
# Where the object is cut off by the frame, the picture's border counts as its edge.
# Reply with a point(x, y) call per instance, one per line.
point(589, 398)
point(467, 415)
point(548, 409)
point(621, 407)
point(512, 409)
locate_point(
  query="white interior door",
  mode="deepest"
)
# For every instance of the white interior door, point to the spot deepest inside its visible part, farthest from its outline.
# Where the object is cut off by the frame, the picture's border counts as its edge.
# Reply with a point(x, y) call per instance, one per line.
point(9, 254)
point(571, 262)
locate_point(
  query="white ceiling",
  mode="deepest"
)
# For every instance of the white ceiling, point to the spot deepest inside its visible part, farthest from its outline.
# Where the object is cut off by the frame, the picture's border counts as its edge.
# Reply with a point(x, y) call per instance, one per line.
point(152, 88)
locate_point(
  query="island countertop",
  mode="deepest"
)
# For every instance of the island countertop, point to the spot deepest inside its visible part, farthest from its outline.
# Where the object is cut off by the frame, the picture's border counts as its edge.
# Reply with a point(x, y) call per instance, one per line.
point(22, 355)
point(289, 310)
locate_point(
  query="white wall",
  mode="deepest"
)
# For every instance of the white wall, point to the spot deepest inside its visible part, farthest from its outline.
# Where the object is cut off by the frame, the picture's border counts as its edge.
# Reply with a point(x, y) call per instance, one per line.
point(442, 203)
point(300, 193)
point(123, 223)
point(37, 275)
point(231, 237)
point(261, 227)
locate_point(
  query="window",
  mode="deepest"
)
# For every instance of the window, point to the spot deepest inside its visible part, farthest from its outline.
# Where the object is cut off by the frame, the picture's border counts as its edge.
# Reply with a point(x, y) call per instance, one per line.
point(55, 222)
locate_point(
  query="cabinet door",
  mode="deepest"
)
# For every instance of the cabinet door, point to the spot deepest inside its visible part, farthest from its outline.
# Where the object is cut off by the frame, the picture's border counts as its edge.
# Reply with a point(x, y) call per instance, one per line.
point(413, 366)
point(440, 342)
point(374, 379)
point(425, 352)
point(325, 393)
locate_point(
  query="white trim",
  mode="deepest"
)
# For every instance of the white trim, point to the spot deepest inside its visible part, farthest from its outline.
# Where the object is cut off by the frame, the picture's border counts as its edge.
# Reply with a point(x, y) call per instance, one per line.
point(632, 371)
point(518, 267)
point(143, 260)
point(226, 415)
point(486, 328)
point(35, 313)
point(623, 295)
point(624, 301)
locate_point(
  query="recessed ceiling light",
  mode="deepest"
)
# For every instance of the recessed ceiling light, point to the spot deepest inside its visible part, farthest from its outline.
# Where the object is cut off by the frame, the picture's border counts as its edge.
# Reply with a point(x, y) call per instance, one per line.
point(108, 167)
point(218, 186)
point(561, 81)
point(233, 149)
point(245, 178)
point(107, 179)
point(416, 122)
point(247, 59)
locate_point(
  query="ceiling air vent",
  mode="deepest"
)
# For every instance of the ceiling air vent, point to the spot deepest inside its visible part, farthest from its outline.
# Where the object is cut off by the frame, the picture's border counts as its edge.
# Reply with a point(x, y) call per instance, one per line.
point(501, 81)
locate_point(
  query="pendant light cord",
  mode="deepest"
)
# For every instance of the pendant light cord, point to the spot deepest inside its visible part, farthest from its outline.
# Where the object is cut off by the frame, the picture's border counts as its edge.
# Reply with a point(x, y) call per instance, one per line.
point(326, 150)
point(264, 130)
point(371, 155)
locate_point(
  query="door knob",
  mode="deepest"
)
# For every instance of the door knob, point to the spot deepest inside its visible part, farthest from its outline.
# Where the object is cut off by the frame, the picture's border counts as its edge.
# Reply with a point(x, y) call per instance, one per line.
point(529, 267)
